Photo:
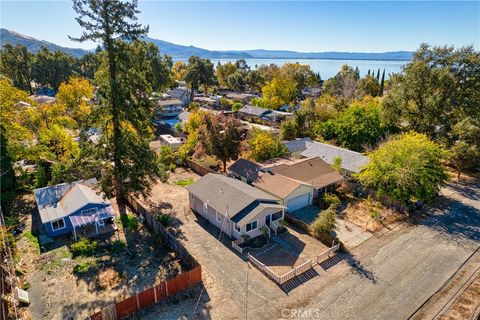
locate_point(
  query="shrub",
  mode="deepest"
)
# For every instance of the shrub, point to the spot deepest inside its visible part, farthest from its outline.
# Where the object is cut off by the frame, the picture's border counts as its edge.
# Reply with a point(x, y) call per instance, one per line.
point(83, 267)
point(164, 219)
point(84, 247)
point(324, 223)
point(237, 106)
point(129, 221)
point(328, 200)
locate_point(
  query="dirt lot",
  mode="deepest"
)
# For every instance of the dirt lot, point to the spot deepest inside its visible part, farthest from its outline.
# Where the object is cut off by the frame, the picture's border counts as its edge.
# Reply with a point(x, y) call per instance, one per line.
point(369, 214)
point(123, 263)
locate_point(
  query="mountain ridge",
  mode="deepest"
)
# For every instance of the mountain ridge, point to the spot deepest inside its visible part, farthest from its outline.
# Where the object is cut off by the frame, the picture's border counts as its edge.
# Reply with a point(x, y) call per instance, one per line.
point(182, 52)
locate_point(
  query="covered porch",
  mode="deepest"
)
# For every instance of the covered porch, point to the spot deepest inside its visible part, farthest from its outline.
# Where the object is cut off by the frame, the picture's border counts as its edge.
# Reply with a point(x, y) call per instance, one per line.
point(95, 224)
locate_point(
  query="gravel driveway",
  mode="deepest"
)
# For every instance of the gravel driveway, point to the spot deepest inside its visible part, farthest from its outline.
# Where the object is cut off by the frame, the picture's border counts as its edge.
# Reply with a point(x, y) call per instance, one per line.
point(400, 270)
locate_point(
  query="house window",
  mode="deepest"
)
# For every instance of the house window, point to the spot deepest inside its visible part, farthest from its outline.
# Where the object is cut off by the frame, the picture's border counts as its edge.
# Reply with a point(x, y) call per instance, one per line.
point(252, 226)
point(89, 211)
point(237, 228)
point(219, 217)
point(58, 224)
point(276, 216)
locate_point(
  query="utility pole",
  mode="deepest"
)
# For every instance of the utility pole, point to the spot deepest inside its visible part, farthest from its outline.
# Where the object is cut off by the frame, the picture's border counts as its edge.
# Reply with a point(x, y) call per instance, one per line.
point(246, 293)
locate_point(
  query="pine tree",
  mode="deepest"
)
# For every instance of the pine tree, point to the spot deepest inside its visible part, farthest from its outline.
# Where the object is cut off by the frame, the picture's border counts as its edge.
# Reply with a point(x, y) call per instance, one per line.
point(368, 74)
point(378, 74)
point(107, 22)
point(382, 83)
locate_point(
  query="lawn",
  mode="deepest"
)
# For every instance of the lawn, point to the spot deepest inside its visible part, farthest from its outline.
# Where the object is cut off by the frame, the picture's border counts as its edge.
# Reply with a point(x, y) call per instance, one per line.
point(184, 182)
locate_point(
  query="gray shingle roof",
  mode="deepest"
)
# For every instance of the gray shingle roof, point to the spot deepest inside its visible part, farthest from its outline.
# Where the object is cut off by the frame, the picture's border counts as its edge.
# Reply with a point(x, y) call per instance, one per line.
point(61, 200)
point(221, 192)
point(245, 168)
point(296, 145)
point(351, 160)
point(254, 110)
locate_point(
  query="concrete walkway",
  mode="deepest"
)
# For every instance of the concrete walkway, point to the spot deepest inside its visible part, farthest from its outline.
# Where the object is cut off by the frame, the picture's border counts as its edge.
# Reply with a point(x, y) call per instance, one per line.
point(350, 234)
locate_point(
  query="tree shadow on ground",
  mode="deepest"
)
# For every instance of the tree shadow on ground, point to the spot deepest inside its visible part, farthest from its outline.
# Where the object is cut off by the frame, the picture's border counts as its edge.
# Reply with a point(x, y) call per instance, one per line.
point(357, 268)
point(164, 211)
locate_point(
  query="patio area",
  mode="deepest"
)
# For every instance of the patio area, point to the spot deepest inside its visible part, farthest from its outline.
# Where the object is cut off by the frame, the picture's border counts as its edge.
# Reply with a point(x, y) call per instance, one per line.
point(288, 250)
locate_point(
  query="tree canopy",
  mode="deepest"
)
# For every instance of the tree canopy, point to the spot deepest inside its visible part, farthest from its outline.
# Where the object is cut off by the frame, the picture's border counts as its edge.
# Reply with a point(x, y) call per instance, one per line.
point(408, 167)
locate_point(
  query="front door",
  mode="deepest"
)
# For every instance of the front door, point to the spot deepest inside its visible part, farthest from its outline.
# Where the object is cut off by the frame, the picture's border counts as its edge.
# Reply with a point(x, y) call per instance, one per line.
point(268, 219)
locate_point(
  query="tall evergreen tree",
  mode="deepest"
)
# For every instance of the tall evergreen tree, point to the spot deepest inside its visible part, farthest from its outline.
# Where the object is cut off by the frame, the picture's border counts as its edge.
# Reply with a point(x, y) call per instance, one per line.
point(382, 83)
point(7, 175)
point(16, 63)
point(106, 22)
point(368, 73)
point(378, 74)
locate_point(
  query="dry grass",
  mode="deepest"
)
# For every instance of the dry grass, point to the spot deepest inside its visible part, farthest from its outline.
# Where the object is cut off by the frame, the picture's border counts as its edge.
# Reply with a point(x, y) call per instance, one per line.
point(466, 304)
point(370, 215)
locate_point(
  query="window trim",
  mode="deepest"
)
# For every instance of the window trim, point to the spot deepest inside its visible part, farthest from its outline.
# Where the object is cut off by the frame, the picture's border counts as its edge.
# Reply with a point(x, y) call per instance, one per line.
point(63, 221)
point(251, 222)
point(237, 228)
point(218, 217)
point(94, 209)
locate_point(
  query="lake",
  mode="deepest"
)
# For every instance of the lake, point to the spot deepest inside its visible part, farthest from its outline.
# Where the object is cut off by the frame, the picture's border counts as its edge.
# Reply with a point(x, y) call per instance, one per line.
point(328, 68)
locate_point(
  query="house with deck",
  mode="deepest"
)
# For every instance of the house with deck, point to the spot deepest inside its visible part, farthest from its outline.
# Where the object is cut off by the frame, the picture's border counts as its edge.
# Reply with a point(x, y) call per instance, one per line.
point(180, 93)
point(352, 162)
point(236, 208)
point(168, 107)
point(76, 208)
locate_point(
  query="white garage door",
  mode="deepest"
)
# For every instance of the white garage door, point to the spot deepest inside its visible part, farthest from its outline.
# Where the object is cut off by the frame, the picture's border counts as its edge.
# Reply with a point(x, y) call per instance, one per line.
point(298, 202)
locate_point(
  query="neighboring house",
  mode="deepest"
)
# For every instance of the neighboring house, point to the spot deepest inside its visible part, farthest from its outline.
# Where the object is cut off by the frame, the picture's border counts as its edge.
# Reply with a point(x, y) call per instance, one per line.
point(241, 97)
point(168, 107)
point(248, 112)
point(244, 170)
point(234, 207)
point(43, 99)
point(180, 93)
point(352, 162)
point(72, 208)
point(314, 171)
point(171, 141)
point(293, 194)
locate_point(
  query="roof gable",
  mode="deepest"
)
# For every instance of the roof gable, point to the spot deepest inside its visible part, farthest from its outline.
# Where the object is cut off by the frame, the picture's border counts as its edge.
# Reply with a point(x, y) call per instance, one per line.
point(245, 168)
point(228, 195)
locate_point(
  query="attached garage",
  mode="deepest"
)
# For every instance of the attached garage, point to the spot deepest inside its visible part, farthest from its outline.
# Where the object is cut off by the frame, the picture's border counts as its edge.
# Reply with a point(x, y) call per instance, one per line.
point(293, 193)
point(299, 202)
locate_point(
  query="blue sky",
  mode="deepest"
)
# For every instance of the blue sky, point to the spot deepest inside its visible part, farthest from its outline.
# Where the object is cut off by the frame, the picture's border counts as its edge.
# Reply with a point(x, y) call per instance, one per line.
point(359, 26)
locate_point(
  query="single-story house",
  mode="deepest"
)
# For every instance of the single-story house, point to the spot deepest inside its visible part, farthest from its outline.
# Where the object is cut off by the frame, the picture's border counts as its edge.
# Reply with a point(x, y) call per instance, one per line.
point(293, 194)
point(241, 97)
point(248, 111)
point(73, 207)
point(314, 171)
point(352, 162)
point(168, 107)
point(171, 141)
point(234, 207)
point(244, 170)
point(180, 93)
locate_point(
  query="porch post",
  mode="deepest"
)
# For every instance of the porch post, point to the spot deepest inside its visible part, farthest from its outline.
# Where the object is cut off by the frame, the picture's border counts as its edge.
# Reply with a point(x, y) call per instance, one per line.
point(74, 233)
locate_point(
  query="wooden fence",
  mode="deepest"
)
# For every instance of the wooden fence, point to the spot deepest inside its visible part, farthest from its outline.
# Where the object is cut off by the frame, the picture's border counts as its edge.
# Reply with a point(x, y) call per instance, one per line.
point(198, 168)
point(236, 245)
point(327, 253)
point(304, 267)
point(125, 308)
point(150, 221)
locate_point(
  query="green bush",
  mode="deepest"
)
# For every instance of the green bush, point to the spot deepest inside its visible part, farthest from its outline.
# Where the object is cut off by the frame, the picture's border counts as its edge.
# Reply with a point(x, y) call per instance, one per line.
point(164, 219)
point(129, 221)
point(237, 106)
point(172, 167)
point(328, 200)
point(324, 223)
point(83, 267)
point(84, 247)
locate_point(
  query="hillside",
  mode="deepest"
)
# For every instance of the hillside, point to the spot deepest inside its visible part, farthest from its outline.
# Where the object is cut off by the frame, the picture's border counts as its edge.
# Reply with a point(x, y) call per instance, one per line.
point(180, 52)
point(34, 45)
